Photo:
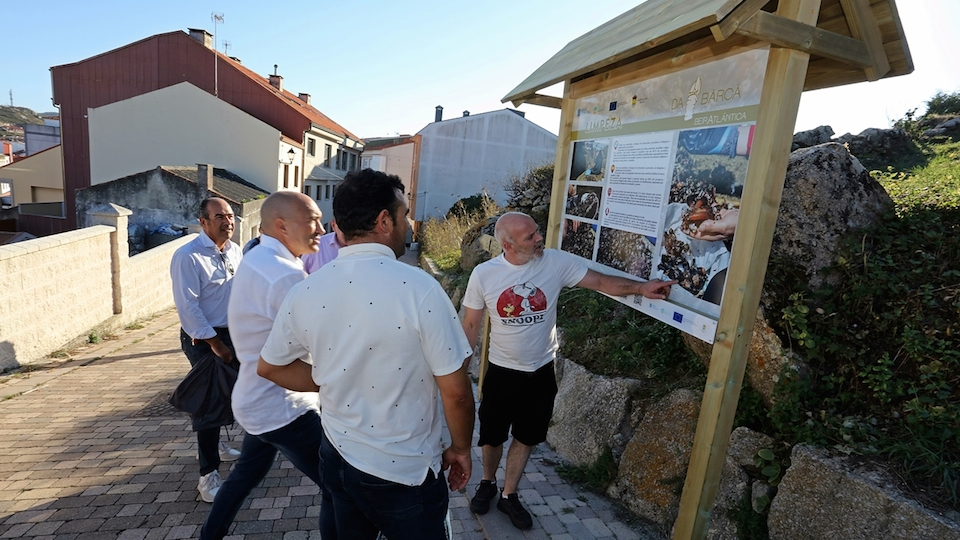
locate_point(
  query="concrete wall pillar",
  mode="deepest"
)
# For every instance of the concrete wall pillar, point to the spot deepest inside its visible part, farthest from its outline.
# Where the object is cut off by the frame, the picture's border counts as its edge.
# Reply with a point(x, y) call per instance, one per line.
point(116, 217)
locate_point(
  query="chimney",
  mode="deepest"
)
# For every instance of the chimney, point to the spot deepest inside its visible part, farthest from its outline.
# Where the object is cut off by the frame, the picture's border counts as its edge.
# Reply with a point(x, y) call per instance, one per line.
point(304, 97)
point(276, 81)
point(205, 176)
point(466, 114)
point(202, 36)
point(439, 115)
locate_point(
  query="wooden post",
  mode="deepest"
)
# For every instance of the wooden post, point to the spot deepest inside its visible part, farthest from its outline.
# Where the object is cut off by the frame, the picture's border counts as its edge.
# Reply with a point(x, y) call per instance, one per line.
point(558, 192)
point(779, 101)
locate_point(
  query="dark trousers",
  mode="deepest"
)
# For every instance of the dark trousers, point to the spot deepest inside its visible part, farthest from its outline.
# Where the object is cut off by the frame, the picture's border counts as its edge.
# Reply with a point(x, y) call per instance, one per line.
point(299, 441)
point(364, 504)
point(207, 439)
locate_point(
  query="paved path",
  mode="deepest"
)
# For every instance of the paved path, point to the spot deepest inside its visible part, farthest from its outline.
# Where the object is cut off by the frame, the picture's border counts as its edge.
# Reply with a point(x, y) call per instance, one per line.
point(91, 450)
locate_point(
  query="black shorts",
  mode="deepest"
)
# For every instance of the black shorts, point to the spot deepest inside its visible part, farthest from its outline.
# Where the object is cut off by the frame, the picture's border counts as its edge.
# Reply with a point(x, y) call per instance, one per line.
point(523, 400)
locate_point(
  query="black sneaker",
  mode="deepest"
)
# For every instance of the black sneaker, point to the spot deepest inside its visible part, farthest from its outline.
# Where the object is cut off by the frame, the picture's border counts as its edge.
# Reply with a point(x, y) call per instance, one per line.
point(486, 491)
point(511, 506)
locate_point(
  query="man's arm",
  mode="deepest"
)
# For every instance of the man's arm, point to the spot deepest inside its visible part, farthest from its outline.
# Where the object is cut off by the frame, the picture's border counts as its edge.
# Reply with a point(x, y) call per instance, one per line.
point(458, 408)
point(618, 286)
point(296, 376)
point(472, 322)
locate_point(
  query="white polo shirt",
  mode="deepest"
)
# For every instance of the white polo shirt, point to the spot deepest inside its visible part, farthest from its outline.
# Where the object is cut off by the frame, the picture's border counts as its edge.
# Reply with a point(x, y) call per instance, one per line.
point(263, 280)
point(378, 331)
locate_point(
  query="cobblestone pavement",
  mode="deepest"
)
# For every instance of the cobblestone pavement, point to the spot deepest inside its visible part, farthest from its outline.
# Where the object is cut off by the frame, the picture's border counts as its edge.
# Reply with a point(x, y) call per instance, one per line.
point(93, 451)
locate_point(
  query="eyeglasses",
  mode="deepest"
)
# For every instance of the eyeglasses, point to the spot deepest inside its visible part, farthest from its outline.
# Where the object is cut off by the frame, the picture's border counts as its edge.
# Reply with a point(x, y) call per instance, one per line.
point(226, 263)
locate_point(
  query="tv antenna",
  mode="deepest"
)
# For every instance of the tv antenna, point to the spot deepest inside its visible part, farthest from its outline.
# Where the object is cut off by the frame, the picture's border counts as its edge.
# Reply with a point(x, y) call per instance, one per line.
point(216, 18)
point(226, 47)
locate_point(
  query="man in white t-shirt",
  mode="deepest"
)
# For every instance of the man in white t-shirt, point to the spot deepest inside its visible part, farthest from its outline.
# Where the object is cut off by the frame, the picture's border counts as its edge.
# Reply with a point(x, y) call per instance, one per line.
point(383, 338)
point(520, 289)
point(274, 418)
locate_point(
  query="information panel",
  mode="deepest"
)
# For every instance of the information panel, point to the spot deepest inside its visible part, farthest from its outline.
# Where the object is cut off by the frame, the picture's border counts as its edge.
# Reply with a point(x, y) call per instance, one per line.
point(654, 182)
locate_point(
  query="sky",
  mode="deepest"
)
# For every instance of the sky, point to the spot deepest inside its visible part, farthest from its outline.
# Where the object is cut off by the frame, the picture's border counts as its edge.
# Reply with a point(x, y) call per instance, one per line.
point(380, 68)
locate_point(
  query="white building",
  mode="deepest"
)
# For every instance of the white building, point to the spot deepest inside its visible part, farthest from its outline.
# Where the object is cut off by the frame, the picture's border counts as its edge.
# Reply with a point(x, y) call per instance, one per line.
point(464, 156)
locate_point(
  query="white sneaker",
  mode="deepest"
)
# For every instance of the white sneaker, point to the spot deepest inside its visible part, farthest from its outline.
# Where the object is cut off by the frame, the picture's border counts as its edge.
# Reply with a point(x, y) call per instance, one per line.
point(209, 485)
point(227, 453)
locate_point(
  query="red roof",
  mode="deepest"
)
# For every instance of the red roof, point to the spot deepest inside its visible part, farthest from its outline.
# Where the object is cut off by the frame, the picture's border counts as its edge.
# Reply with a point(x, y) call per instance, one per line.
point(157, 62)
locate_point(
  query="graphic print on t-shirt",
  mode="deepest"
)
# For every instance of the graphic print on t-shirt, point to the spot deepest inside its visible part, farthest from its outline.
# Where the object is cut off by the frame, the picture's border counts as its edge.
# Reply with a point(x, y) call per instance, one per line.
point(521, 305)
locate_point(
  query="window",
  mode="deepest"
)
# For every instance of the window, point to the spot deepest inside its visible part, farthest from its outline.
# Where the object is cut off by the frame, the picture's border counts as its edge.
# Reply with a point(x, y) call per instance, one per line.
point(327, 196)
point(326, 155)
point(339, 155)
point(319, 192)
point(286, 176)
point(296, 175)
point(365, 163)
point(306, 189)
point(353, 162)
point(311, 146)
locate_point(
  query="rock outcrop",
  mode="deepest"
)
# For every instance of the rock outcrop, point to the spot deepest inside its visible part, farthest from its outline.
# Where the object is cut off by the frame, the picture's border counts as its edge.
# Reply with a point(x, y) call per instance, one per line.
point(654, 464)
point(947, 128)
point(591, 413)
point(473, 250)
point(811, 137)
point(827, 193)
point(879, 144)
point(827, 496)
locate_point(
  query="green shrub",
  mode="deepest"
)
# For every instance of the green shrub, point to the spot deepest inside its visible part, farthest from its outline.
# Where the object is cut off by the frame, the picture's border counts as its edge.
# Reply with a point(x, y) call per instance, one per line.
point(474, 204)
point(943, 103)
point(611, 339)
point(441, 238)
point(883, 344)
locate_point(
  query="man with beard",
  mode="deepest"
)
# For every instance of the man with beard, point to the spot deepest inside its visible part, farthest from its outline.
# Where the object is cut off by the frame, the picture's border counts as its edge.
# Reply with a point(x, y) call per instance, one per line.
point(386, 349)
point(520, 289)
point(202, 274)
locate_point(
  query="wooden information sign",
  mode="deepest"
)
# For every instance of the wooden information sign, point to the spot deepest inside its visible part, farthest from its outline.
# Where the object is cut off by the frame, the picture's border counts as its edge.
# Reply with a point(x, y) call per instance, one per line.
point(646, 97)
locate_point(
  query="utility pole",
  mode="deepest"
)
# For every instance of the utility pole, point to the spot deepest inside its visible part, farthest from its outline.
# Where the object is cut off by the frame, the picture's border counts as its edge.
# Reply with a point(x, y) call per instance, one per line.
point(11, 97)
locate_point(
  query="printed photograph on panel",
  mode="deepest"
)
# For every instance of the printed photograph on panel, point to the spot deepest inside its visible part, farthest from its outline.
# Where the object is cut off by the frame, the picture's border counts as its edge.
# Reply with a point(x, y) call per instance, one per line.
point(579, 237)
point(626, 251)
point(589, 161)
point(583, 201)
point(701, 218)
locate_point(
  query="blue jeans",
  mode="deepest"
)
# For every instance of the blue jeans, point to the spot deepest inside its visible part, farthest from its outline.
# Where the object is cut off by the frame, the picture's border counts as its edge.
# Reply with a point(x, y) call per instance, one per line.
point(207, 439)
point(299, 441)
point(365, 505)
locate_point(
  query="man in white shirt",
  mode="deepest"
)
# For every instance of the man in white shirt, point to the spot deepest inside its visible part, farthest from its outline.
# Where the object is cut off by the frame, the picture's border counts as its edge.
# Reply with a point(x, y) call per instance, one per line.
point(520, 289)
point(202, 271)
point(274, 419)
point(384, 338)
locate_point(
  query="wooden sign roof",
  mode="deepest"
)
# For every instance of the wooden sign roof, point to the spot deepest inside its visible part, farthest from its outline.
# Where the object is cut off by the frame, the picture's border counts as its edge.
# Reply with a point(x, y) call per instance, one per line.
point(854, 40)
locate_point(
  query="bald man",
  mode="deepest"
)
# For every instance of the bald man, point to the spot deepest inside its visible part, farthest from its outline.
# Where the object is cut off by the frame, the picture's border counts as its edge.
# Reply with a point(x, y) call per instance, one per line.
point(520, 289)
point(274, 419)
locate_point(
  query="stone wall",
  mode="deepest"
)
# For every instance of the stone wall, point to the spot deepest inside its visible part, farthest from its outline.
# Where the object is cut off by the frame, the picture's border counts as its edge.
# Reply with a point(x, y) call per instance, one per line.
point(59, 288)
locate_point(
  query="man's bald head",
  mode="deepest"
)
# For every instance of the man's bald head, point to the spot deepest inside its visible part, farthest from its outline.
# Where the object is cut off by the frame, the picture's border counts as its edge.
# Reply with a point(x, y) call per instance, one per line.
point(519, 236)
point(292, 218)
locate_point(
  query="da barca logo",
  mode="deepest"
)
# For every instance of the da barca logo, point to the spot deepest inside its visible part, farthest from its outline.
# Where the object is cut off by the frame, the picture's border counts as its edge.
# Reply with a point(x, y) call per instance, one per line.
point(522, 305)
point(698, 95)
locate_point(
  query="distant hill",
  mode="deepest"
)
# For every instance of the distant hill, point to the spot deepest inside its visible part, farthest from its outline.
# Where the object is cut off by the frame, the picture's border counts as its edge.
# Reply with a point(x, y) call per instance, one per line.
point(18, 115)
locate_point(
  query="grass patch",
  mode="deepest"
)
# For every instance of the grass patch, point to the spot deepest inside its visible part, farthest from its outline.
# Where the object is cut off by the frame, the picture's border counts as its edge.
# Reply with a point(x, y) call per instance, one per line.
point(611, 339)
point(440, 239)
point(134, 326)
point(884, 343)
point(596, 477)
